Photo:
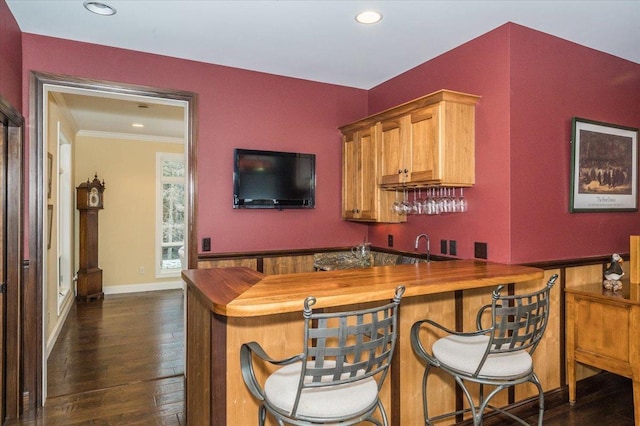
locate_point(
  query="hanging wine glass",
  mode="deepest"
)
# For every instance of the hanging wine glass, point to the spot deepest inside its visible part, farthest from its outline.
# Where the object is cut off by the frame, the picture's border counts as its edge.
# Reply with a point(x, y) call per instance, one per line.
point(396, 207)
point(425, 202)
point(439, 201)
point(455, 201)
point(462, 202)
point(446, 202)
point(417, 202)
point(406, 206)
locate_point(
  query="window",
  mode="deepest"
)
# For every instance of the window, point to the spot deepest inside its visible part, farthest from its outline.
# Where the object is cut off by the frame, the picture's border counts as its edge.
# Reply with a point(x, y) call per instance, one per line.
point(170, 213)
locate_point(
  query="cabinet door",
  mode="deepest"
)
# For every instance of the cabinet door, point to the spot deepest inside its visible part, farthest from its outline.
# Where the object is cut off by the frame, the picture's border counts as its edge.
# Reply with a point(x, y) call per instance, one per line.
point(359, 191)
point(350, 176)
point(456, 150)
point(369, 187)
point(393, 153)
point(425, 165)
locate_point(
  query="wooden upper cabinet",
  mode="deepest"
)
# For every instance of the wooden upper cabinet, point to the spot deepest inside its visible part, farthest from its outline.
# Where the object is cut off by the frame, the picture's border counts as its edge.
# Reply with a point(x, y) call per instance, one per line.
point(429, 141)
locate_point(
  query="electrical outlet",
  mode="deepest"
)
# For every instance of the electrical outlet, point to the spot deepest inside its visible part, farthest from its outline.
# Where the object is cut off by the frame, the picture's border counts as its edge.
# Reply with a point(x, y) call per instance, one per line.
point(206, 244)
point(390, 240)
point(141, 270)
point(443, 246)
point(453, 249)
point(480, 250)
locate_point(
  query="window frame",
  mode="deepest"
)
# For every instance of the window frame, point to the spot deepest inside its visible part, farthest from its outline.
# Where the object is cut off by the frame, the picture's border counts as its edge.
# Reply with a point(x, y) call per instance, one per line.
point(161, 157)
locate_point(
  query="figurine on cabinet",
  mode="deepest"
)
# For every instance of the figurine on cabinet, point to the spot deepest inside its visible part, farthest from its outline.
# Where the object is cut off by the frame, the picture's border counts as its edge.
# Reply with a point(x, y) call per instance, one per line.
point(614, 273)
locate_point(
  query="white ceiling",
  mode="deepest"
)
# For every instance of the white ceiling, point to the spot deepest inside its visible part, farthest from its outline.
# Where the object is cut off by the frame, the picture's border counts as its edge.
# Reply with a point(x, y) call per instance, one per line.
point(320, 40)
point(114, 116)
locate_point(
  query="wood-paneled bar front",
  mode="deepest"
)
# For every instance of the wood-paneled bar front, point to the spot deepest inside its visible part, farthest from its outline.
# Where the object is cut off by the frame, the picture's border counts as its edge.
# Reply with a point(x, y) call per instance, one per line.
point(229, 306)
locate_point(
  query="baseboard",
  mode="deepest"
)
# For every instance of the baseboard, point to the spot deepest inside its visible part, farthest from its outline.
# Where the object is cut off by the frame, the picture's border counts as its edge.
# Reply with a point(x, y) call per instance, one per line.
point(137, 288)
point(53, 337)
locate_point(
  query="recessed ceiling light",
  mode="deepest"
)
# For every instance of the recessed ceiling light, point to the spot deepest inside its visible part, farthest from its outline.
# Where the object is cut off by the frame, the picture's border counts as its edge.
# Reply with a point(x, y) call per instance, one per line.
point(99, 8)
point(137, 125)
point(369, 17)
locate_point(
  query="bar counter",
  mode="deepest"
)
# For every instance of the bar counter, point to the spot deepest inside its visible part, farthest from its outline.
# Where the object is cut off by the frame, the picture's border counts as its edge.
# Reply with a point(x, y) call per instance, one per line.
point(229, 306)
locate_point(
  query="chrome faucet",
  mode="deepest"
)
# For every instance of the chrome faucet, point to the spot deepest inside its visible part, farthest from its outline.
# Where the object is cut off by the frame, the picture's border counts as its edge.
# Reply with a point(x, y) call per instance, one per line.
point(428, 245)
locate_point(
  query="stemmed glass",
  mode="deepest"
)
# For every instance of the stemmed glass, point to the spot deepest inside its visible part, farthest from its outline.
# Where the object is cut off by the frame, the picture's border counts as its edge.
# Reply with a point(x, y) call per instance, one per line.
point(406, 205)
point(455, 201)
point(396, 207)
point(439, 201)
point(431, 202)
point(463, 204)
point(417, 202)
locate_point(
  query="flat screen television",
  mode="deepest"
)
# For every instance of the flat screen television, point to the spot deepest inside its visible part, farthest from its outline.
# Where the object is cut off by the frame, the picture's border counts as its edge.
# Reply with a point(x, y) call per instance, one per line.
point(273, 180)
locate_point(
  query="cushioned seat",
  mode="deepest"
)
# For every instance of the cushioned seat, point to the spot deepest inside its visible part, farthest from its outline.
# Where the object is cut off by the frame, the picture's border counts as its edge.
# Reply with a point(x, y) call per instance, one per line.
point(465, 354)
point(334, 401)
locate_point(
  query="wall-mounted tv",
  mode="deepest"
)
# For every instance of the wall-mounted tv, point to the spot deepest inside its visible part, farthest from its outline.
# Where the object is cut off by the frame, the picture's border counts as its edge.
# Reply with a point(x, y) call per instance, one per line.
point(273, 179)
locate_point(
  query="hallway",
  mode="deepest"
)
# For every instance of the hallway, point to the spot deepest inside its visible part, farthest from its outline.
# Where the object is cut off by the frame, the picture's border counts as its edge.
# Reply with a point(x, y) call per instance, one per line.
point(118, 361)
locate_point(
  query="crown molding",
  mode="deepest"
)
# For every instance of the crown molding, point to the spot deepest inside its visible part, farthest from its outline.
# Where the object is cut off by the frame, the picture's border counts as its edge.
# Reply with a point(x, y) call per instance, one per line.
point(130, 136)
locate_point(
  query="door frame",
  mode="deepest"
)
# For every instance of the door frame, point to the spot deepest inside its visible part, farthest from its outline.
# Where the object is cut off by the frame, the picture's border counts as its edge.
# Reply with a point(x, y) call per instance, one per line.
point(33, 366)
point(11, 383)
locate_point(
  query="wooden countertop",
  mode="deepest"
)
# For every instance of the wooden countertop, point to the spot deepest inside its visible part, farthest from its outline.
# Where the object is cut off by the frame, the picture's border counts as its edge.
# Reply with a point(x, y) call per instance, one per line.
point(242, 292)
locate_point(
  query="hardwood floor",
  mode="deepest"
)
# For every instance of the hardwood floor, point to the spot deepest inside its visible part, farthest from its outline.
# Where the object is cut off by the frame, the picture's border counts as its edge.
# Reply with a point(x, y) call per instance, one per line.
point(602, 400)
point(119, 361)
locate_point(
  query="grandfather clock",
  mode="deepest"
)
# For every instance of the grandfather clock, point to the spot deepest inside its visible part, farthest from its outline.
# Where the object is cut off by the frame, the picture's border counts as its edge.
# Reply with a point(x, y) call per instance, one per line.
point(89, 202)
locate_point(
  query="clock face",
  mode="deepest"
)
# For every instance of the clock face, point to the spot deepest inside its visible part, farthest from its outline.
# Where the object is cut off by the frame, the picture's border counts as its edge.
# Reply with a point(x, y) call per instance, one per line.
point(94, 198)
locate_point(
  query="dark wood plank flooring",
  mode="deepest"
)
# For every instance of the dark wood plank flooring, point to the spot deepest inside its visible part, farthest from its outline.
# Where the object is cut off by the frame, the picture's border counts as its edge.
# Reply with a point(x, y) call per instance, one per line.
point(119, 361)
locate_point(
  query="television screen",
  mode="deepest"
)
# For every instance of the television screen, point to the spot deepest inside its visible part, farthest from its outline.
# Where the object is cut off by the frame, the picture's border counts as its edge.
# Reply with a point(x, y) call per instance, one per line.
point(273, 180)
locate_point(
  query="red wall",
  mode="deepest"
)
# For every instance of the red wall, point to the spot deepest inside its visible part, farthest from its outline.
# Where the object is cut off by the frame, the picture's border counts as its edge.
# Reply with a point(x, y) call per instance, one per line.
point(552, 81)
point(10, 58)
point(237, 108)
point(531, 84)
point(480, 67)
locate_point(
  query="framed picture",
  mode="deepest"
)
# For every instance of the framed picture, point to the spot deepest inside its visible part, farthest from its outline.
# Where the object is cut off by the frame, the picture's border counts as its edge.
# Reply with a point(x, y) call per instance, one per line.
point(50, 223)
point(604, 167)
point(49, 174)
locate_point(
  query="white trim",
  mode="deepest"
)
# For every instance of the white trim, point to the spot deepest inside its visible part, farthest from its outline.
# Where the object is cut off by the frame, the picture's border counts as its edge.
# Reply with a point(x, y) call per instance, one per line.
point(138, 288)
point(62, 318)
point(130, 136)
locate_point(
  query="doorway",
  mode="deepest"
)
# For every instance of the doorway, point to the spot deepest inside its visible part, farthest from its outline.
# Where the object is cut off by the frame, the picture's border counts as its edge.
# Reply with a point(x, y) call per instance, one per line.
point(42, 84)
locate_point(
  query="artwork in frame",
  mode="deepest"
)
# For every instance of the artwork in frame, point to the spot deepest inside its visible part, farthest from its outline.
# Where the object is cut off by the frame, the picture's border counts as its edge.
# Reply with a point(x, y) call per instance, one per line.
point(604, 167)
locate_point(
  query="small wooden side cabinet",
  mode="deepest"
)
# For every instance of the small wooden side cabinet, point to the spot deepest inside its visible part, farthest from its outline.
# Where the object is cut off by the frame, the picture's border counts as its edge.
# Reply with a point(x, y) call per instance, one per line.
point(602, 331)
point(89, 202)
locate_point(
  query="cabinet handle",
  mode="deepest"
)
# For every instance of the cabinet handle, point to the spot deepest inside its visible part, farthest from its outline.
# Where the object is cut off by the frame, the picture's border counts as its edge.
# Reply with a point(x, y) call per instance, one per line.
point(406, 171)
point(399, 171)
point(355, 210)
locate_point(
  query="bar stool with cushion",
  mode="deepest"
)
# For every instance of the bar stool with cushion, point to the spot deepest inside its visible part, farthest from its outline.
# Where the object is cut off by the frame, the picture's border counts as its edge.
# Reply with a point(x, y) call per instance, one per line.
point(337, 377)
point(498, 355)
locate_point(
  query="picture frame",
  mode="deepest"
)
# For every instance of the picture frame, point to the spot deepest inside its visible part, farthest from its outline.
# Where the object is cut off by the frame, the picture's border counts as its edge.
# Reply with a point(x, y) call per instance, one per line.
point(604, 167)
point(49, 174)
point(50, 223)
